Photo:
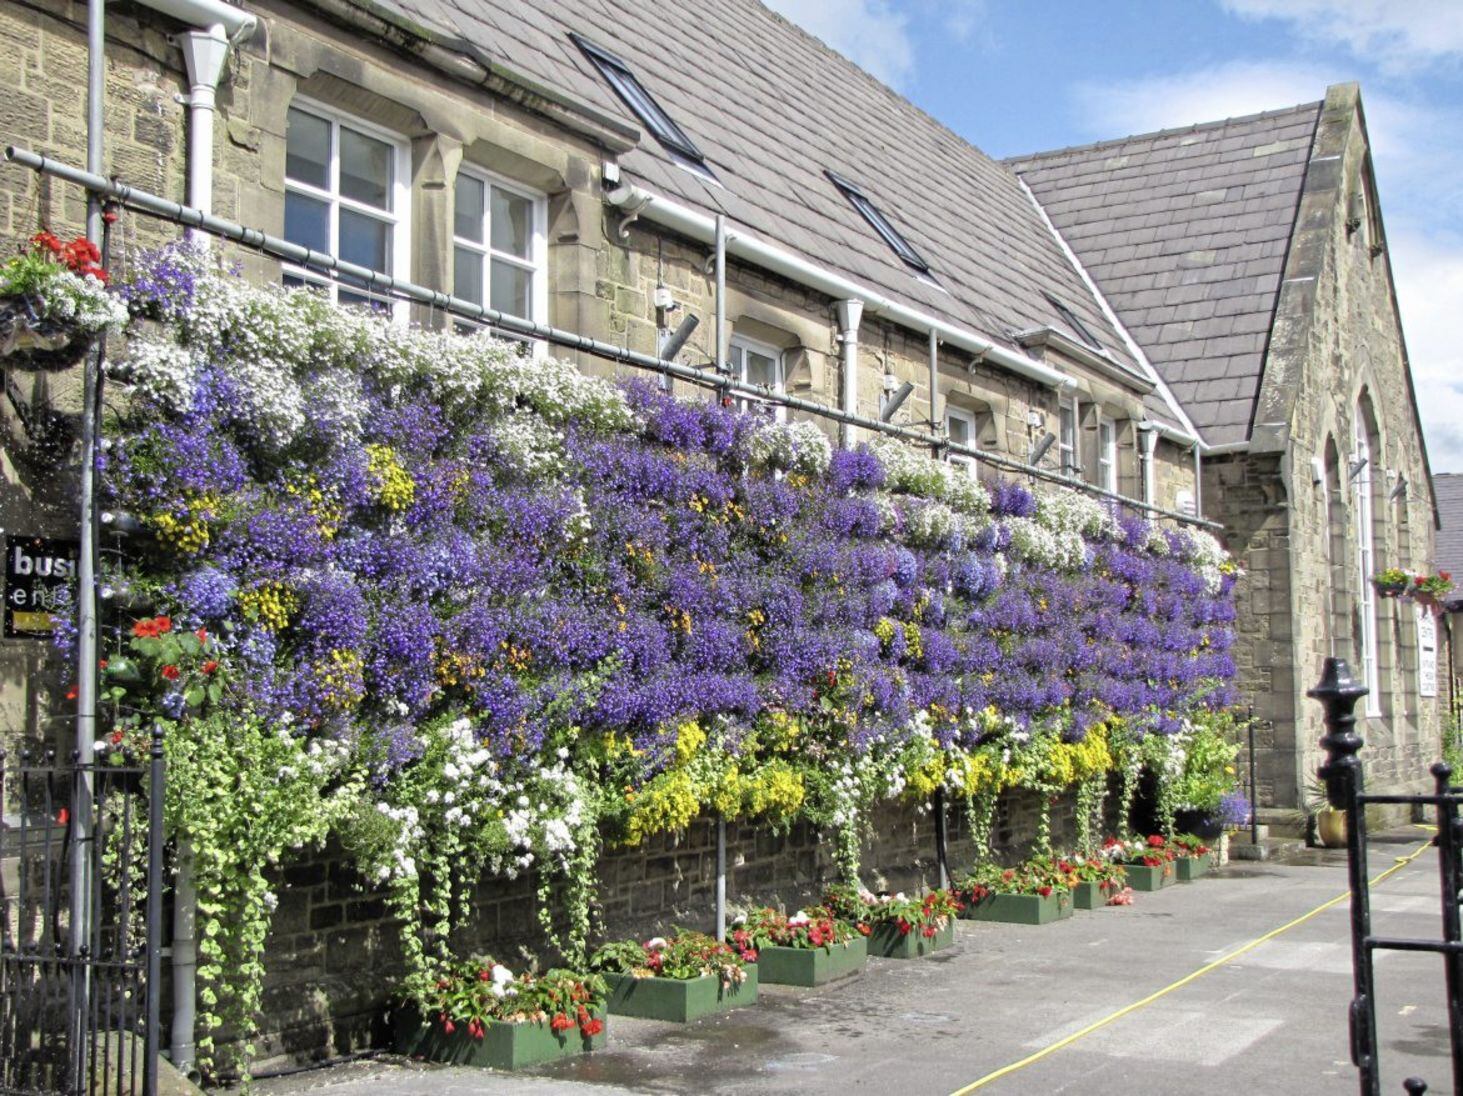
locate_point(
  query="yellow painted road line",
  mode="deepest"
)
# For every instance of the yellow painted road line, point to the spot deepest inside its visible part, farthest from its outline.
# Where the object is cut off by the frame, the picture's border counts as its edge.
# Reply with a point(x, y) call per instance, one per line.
point(1052, 1048)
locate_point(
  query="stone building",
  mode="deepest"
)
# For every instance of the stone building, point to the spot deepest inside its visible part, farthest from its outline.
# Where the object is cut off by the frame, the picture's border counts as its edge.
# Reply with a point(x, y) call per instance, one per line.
point(565, 161)
point(1248, 259)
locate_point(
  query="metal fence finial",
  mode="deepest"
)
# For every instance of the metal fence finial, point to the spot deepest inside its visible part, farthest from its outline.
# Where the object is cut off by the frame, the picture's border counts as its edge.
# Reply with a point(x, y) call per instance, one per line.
point(1338, 693)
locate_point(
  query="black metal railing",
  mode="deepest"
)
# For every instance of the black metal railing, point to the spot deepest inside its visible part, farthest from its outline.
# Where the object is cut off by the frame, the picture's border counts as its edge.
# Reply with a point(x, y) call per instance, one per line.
point(1338, 693)
point(78, 970)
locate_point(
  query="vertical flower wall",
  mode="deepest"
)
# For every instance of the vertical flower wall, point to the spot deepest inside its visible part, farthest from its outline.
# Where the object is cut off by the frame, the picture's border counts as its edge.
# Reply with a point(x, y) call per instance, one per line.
point(530, 611)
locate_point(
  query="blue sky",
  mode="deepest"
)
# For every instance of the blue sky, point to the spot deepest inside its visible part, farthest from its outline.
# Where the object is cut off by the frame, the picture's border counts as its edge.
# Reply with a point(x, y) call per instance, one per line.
point(1017, 76)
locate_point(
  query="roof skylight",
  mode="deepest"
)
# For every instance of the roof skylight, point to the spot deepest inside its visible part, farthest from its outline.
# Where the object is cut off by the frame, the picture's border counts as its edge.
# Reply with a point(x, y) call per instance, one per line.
point(1076, 326)
point(880, 224)
point(629, 88)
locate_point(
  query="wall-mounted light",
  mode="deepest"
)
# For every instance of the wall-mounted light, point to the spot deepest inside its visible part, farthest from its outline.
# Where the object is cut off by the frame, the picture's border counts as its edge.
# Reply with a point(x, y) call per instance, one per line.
point(1398, 491)
point(1041, 447)
point(1318, 472)
point(1355, 466)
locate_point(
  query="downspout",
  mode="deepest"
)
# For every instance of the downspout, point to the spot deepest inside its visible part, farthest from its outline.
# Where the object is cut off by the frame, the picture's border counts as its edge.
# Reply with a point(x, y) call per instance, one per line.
point(937, 425)
point(1198, 481)
point(850, 313)
point(1147, 442)
point(205, 49)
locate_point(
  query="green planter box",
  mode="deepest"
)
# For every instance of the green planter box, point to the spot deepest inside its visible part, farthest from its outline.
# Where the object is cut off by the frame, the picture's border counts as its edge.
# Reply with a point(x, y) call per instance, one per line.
point(1021, 909)
point(503, 1046)
point(1091, 896)
point(1143, 878)
point(812, 966)
point(678, 1000)
point(1191, 867)
point(887, 942)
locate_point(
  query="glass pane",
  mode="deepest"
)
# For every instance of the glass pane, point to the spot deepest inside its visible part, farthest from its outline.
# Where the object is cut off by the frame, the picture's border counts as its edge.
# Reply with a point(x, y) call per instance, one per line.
point(469, 219)
point(365, 169)
point(959, 430)
point(365, 241)
point(762, 370)
point(467, 275)
point(512, 290)
point(307, 149)
point(307, 221)
point(512, 224)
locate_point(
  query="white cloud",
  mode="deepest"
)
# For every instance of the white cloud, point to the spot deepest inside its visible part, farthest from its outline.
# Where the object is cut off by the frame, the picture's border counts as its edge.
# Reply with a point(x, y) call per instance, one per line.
point(872, 34)
point(1418, 155)
point(1118, 108)
point(1392, 34)
point(879, 35)
point(1429, 274)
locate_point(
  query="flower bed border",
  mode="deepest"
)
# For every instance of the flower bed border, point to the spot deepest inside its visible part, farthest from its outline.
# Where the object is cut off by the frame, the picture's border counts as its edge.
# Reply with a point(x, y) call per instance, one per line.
point(811, 966)
point(885, 941)
point(679, 1000)
point(1021, 909)
point(503, 1045)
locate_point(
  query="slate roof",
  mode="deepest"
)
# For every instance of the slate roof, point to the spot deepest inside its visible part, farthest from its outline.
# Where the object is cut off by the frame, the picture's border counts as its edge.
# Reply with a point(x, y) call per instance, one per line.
point(1448, 493)
point(1185, 233)
point(771, 107)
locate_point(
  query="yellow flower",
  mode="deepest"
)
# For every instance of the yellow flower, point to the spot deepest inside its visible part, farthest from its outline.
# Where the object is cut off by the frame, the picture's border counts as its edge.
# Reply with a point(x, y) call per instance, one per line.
point(395, 489)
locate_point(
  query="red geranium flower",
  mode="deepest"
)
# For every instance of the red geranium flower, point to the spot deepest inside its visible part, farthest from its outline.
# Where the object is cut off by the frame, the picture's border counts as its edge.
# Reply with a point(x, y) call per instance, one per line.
point(1045, 892)
point(904, 927)
point(591, 1029)
point(560, 1022)
point(209, 666)
point(202, 634)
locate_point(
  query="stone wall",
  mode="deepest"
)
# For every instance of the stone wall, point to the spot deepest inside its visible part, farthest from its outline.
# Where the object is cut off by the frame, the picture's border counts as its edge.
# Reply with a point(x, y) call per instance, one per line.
point(1291, 503)
point(333, 950)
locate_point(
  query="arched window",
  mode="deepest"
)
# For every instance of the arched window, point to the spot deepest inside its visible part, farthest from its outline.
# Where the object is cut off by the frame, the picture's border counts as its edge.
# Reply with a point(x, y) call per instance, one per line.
point(1363, 466)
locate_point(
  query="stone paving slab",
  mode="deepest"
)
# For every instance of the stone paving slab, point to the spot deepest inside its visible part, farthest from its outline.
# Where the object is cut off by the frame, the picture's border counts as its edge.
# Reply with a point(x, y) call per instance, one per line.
point(1272, 1020)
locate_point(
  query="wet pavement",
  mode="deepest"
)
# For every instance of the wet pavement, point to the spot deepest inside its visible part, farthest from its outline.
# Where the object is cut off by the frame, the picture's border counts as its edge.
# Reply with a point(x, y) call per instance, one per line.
point(1269, 1020)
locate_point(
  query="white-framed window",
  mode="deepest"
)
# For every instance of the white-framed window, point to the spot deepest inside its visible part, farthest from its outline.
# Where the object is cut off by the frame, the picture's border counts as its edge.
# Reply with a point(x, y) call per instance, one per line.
point(760, 364)
point(1365, 562)
point(1107, 454)
point(1067, 435)
point(500, 245)
point(346, 194)
point(962, 428)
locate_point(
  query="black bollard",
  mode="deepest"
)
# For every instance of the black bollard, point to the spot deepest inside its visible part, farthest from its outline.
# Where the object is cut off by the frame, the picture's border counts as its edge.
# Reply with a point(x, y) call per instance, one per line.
point(1338, 693)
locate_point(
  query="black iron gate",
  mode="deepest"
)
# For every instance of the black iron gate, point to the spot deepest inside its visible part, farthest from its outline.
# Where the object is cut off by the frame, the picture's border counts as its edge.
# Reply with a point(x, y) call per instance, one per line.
point(81, 890)
point(1339, 692)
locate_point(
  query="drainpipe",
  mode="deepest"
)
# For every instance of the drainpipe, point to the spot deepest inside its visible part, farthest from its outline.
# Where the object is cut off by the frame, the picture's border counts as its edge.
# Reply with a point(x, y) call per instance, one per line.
point(205, 49)
point(1147, 442)
point(204, 52)
point(1198, 481)
point(850, 312)
point(937, 426)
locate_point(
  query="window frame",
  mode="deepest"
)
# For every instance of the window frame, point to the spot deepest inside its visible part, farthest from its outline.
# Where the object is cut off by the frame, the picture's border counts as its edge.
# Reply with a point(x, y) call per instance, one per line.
point(737, 350)
point(538, 265)
point(1107, 454)
point(880, 223)
point(972, 426)
point(1069, 452)
point(398, 217)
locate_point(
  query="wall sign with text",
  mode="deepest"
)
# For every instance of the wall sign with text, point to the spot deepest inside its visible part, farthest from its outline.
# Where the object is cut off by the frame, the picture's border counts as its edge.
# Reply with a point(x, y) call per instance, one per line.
point(1427, 652)
point(39, 573)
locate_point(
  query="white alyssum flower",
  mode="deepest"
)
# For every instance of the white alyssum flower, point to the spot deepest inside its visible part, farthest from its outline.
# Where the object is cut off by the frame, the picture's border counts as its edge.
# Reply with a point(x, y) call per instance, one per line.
point(799, 447)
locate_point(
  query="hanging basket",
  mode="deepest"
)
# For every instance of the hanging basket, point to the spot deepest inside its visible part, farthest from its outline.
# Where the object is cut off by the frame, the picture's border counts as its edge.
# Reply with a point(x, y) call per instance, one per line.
point(30, 342)
point(1389, 589)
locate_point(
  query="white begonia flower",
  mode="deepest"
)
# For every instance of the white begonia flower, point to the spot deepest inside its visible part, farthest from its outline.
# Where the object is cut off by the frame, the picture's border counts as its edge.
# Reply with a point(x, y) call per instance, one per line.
point(799, 918)
point(655, 943)
point(501, 975)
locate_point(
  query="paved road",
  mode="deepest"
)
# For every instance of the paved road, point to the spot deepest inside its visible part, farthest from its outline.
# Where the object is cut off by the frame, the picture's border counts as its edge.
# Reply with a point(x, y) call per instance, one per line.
point(1272, 1020)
